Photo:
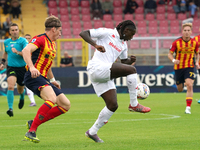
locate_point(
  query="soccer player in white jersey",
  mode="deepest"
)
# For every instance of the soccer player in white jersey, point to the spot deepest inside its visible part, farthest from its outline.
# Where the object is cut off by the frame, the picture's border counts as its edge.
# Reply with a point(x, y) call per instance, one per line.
point(102, 69)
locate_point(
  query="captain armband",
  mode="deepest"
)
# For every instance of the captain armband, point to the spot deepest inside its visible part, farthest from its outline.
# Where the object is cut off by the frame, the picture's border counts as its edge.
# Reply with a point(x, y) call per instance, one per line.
point(3, 61)
point(52, 79)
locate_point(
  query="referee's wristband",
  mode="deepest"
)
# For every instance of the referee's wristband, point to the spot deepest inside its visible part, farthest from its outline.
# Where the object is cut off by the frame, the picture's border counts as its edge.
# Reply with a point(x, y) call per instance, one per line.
point(173, 60)
point(52, 79)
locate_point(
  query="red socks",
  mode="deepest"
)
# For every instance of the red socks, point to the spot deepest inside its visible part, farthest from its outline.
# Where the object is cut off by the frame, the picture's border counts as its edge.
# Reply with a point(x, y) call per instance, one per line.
point(45, 113)
point(189, 101)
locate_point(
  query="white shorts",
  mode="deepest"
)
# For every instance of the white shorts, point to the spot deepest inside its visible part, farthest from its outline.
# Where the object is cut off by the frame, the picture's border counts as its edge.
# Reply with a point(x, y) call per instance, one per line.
point(99, 74)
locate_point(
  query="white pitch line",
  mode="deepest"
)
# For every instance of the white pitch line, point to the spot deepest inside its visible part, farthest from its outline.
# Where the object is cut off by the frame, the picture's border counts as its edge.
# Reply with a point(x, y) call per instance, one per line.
point(117, 120)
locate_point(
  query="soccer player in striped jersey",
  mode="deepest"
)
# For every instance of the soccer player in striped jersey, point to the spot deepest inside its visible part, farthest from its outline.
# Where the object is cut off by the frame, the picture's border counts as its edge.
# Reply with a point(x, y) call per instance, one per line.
point(185, 49)
point(197, 38)
point(39, 78)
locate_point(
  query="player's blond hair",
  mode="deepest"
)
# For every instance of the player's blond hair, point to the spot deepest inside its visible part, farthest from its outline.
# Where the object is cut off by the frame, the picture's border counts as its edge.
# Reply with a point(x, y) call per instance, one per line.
point(187, 24)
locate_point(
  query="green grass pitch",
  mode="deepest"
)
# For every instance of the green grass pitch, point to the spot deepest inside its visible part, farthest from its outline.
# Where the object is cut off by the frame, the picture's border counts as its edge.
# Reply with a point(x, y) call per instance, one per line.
point(166, 127)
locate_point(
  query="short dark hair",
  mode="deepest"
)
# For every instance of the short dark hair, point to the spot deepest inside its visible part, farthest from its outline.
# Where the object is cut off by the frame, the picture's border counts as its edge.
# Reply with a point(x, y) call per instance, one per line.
point(52, 21)
point(127, 23)
point(13, 24)
point(27, 35)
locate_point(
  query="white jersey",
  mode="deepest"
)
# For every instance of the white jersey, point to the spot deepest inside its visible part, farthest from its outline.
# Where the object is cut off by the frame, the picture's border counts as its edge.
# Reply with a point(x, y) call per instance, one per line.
point(114, 46)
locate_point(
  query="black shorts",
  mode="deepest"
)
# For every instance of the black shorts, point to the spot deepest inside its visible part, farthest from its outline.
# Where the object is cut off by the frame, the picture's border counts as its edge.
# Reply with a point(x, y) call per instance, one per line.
point(35, 84)
point(18, 72)
point(183, 74)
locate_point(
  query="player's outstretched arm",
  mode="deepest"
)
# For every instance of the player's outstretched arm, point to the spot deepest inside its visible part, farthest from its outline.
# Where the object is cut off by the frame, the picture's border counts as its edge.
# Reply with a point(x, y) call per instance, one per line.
point(26, 52)
point(129, 61)
point(3, 60)
point(86, 36)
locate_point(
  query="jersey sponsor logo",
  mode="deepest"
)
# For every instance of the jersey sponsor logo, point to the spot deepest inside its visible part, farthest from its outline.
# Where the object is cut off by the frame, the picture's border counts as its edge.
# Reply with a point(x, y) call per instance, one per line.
point(33, 40)
point(12, 45)
point(115, 47)
point(12, 72)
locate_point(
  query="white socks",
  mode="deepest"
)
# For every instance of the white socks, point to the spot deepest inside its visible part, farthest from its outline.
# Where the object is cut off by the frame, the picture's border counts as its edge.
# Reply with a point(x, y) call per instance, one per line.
point(132, 83)
point(30, 95)
point(103, 118)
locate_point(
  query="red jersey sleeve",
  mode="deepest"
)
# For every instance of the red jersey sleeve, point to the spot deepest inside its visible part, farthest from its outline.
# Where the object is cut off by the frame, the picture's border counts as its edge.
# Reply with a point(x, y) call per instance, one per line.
point(173, 47)
point(197, 48)
point(38, 41)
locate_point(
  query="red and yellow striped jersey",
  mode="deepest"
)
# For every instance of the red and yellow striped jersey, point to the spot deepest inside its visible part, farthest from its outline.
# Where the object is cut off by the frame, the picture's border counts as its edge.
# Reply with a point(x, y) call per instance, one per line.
point(42, 58)
point(197, 38)
point(184, 52)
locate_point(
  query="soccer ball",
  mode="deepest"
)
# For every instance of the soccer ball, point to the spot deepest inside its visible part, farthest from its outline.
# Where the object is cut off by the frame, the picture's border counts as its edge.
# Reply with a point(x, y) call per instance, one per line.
point(142, 91)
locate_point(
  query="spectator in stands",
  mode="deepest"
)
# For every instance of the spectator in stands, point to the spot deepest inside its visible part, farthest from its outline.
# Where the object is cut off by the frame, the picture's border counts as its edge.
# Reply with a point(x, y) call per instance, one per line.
point(197, 3)
point(67, 61)
point(150, 6)
point(6, 26)
point(96, 9)
point(15, 9)
point(5, 4)
point(131, 6)
point(191, 7)
point(180, 6)
point(107, 7)
point(2, 32)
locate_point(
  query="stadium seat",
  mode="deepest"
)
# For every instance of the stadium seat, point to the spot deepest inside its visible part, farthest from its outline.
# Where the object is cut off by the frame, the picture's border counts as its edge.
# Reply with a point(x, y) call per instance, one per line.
point(153, 30)
point(142, 30)
point(160, 10)
point(196, 29)
point(66, 25)
point(75, 18)
point(145, 44)
point(78, 45)
point(85, 4)
point(182, 16)
point(150, 17)
point(109, 24)
point(142, 23)
point(85, 11)
point(153, 23)
point(74, 11)
point(174, 29)
point(160, 16)
point(76, 31)
point(76, 24)
point(163, 30)
point(139, 10)
point(174, 23)
point(67, 36)
point(62, 4)
point(196, 22)
point(53, 11)
point(68, 46)
point(66, 31)
point(167, 44)
point(171, 16)
point(74, 3)
point(64, 18)
point(52, 4)
point(117, 10)
point(87, 25)
point(63, 11)
point(134, 44)
point(163, 23)
point(128, 17)
point(140, 3)
point(170, 9)
point(118, 17)
point(139, 17)
point(107, 17)
point(117, 3)
point(117, 22)
point(98, 24)
point(86, 18)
